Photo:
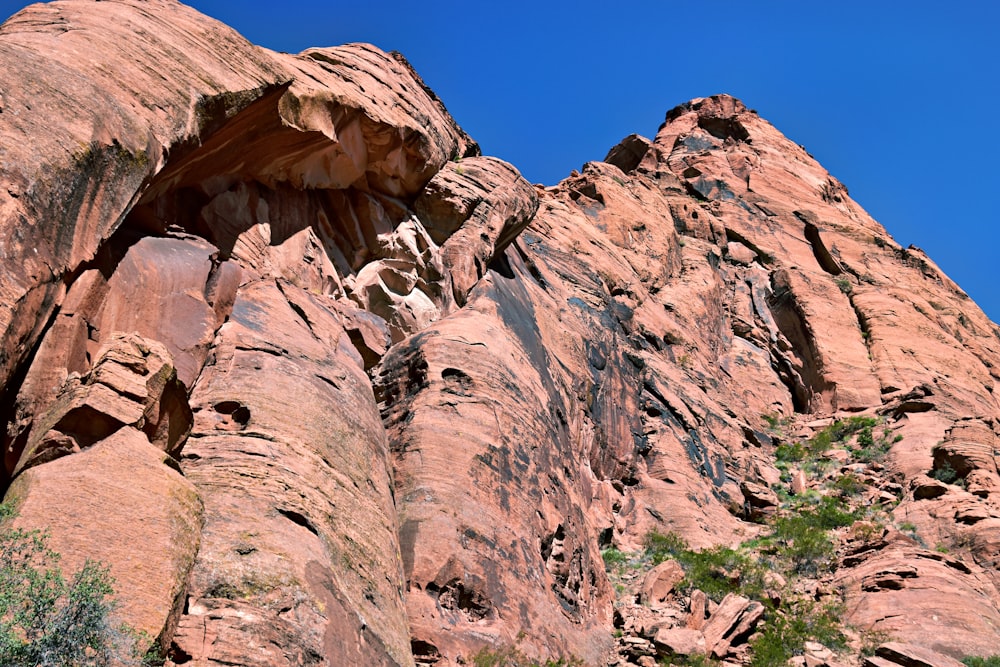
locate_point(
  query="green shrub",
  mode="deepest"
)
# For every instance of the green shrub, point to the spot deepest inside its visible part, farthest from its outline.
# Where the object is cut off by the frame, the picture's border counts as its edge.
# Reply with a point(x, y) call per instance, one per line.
point(661, 546)
point(871, 639)
point(716, 571)
point(804, 543)
point(873, 454)
point(946, 473)
point(720, 571)
point(842, 429)
point(835, 433)
point(866, 531)
point(785, 634)
point(869, 447)
point(830, 513)
point(775, 423)
point(612, 557)
point(849, 485)
point(978, 661)
point(510, 656)
point(504, 657)
point(693, 660)
point(789, 452)
point(49, 621)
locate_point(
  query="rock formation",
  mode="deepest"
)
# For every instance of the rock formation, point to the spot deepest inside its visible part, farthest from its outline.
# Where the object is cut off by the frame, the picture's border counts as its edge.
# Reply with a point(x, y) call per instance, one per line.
point(324, 386)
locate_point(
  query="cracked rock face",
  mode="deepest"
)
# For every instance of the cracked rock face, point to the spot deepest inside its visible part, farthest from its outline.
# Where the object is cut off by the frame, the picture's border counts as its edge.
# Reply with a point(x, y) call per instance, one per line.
point(323, 386)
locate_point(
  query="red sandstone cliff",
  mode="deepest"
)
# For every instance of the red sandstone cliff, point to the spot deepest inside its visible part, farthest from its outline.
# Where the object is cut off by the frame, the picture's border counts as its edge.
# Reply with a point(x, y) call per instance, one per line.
point(323, 386)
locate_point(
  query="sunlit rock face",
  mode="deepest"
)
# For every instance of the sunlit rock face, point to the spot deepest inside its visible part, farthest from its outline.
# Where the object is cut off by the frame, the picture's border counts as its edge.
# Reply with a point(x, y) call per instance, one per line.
point(324, 386)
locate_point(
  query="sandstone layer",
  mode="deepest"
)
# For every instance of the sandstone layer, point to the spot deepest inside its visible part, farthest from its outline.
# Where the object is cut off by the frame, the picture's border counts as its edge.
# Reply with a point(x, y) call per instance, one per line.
point(324, 386)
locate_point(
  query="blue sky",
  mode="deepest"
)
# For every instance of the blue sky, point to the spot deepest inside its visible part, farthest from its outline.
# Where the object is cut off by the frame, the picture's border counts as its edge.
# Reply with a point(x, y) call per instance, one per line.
point(897, 100)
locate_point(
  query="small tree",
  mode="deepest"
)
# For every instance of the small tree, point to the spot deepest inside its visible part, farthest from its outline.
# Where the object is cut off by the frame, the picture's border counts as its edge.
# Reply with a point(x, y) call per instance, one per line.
point(46, 621)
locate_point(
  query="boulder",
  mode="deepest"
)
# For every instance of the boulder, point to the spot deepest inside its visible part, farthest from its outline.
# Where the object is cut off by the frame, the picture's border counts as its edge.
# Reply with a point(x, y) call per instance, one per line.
point(698, 610)
point(133, 383)
point(681, 642)
point(799, 485)
point(628, 154)
point(731, 624)
point(123, 503)
point(912, 655)
point(660, 582)
point(760, 500)
point(926, 488)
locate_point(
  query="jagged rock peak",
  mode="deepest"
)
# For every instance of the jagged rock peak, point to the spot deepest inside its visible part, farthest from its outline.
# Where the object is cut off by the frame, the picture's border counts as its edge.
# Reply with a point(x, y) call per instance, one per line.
point(721, 106)
point(719, 115)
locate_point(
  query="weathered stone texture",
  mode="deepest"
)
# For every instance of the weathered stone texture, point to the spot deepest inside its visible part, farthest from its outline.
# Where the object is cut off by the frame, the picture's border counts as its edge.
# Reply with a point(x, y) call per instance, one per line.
point(278, 340)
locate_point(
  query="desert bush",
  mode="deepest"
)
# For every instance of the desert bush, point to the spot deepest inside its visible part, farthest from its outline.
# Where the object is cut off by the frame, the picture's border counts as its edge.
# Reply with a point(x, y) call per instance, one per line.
point(776, 423)
point(849, 485)
point(869, 446)
point(829, 513)
point(978, 661)
point(790, 452)
point(716, 571)
point(841, 430)
point(661, 546)
point(866, 531)
point(946, 473)
point(804, 543)
point(47, 621)
point(872, 449)
point(785, 634)
point(613, 557)
point(510, 656)
point(693, 660)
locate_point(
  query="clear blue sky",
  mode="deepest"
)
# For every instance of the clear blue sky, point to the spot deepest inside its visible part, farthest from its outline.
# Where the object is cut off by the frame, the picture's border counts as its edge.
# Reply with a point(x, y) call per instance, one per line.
point(898, 100)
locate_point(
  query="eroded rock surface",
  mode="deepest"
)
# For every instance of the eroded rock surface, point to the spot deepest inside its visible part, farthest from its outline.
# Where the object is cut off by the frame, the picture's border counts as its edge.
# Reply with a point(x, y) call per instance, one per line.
point(299, 548)
point(121, 502)
point(363, 396)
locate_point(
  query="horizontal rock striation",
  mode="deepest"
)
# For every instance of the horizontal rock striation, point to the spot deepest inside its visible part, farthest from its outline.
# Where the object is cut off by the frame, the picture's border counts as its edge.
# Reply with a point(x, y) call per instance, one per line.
point(324, 386)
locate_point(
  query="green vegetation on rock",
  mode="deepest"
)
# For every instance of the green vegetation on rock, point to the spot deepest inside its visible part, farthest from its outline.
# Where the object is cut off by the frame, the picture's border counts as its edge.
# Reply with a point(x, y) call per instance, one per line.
point(49, 621)
point(510, 656)
point(977, 661)
point(799, 544)
point(717, 571)
point(784, 635)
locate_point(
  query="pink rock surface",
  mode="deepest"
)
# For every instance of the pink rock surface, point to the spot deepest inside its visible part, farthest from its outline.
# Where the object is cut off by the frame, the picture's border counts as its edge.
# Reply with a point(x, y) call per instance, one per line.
point(425, 394)
point(660, 582)
point(299, 547)
point(133, 383)
point(121, 502)
point(913, 656)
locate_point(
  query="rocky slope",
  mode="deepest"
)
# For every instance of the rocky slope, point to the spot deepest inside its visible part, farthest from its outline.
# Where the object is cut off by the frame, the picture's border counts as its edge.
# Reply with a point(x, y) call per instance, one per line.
point(324, 386)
